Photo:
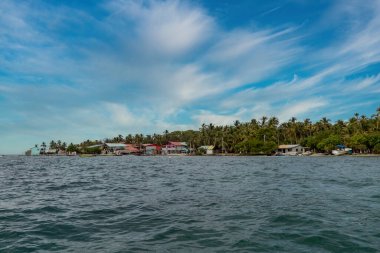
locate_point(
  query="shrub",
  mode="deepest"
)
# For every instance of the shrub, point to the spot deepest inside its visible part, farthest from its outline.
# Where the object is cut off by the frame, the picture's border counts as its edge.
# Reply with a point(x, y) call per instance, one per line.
point(329, 143)
point(376, 149)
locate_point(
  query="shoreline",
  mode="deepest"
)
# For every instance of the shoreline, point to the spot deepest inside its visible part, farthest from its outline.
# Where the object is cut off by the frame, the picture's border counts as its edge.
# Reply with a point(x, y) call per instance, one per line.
point(215, 155)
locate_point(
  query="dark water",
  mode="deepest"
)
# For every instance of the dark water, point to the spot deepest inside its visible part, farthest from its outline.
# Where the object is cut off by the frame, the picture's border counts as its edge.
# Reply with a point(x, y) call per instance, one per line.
point(189, 204)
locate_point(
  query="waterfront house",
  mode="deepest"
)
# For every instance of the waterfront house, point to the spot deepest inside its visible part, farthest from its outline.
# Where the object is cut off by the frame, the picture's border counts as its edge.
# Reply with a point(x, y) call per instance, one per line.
point(208, 150)
point(113, 147)
point(61, 152)
point(175, 148)
point(152, 149)
point(132, 149)
point(129, 149)
point(51, 151)
point(293, 149)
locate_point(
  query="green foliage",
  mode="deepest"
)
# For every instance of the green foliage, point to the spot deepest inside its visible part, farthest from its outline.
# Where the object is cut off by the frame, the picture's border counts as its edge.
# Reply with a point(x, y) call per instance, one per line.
point(72, 148)
point(200, 152)
point(376, 149)
point(373, 139)
point(261, 136)
point(256, 147)
point(57, 145)
point(359, 142)
point(313, 140)
point(329, 143)
point(94, 150)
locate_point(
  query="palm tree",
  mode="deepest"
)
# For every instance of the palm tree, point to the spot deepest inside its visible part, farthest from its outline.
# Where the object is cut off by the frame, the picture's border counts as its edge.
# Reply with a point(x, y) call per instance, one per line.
point(325, 123)
point(263, 121)
point(52, 144)
point(129, 138)
point(307, 125)
point(59, 144)
point(293, 128)
point(166, 132)
point(43, 147)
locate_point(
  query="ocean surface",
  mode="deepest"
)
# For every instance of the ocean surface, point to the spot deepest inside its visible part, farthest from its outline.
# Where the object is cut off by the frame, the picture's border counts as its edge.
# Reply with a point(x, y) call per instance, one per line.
point(189, 204)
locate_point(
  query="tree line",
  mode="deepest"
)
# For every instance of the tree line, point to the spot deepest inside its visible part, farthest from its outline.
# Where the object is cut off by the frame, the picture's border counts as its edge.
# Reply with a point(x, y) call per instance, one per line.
point(262, 136)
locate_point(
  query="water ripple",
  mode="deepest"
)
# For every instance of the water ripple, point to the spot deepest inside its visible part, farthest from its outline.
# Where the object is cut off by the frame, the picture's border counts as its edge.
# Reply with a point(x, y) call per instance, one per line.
point(189, 204)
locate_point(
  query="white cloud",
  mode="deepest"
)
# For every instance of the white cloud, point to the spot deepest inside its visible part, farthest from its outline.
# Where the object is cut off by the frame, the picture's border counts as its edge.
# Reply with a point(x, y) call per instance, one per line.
point(361, 84)
point(300, 108)
point(166, 28)
point(245, 56)
point(136, 69)
point(206, 117)
point(120, 115)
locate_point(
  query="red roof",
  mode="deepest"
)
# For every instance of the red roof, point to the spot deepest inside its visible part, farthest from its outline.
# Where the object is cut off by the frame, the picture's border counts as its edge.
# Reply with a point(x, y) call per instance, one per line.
point(131, 148)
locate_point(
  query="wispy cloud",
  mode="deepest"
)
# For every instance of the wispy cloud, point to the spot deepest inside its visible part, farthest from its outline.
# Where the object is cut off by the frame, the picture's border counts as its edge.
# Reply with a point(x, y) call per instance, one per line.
point(128, 66)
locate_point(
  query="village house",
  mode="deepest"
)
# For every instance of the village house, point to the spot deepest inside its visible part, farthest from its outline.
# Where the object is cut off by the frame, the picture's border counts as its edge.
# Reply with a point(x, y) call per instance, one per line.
point(51, 151)
point(152, 149)
point(113, 147)
point(129, 149)
point(208, 150)
point(175, 148)
point(293, 149)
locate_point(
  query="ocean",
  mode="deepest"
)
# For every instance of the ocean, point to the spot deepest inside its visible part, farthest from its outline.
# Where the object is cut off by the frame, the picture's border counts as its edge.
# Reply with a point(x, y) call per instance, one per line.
point(189, 204)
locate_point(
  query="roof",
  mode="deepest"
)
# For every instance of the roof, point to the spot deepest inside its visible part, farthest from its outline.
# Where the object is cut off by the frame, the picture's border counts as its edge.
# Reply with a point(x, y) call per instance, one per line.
point(288, 146)
point(115, 145)
point(132, 149)
point(207, 147)
point(95, 146)
point(177, 143)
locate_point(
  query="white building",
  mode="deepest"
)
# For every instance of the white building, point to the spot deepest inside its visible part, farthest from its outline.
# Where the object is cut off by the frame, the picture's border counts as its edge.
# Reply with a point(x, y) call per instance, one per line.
point(294, 149)
point(209, 150)
point(175, 148)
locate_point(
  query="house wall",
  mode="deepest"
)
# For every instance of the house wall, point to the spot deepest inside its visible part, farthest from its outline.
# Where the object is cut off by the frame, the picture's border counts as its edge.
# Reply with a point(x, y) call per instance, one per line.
point(298, 149)
point(175, 150)
point(151, 150)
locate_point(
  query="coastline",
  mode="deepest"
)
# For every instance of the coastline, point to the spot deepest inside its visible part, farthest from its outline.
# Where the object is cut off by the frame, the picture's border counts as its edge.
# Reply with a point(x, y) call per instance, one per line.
point(215, 155)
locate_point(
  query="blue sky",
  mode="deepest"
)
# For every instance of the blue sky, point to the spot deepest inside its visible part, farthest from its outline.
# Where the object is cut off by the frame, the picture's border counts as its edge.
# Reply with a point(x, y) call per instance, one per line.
point(75, 70)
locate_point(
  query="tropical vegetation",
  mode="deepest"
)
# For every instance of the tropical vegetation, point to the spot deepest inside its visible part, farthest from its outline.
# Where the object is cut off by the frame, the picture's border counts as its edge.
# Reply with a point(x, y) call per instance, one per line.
point(261, 136)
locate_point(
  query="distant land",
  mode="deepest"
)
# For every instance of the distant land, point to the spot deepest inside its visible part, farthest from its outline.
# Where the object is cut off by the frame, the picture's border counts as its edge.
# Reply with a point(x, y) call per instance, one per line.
point(361, 133)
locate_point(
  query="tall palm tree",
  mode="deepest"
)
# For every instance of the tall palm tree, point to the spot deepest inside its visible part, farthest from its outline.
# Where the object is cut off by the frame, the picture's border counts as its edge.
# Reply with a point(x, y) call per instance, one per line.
point(52, 144)
point(293, 128)
point(166, 132)
point(43, 147)
point(325, 123)
point(307, 124)
point(263, 121)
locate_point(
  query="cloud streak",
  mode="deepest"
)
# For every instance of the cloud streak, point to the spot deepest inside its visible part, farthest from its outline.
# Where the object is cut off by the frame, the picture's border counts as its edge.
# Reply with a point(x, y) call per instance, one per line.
point(127, 66)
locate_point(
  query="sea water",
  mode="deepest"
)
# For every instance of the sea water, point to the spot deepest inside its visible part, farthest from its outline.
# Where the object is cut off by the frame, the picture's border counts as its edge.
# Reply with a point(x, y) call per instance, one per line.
point(189, 204)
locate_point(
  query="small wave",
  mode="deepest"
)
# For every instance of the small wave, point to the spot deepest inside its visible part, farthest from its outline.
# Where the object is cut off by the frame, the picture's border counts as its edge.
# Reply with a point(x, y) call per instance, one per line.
point(334, 242)
point(290, 220)
point(45, 209)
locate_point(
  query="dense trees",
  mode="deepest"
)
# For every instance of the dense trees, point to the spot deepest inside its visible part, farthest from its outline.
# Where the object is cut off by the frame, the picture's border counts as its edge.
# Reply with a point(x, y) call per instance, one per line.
point(261, 136)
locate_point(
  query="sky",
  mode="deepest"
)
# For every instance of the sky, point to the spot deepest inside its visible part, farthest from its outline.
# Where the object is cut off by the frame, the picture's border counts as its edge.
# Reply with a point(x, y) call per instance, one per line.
point(76, 70)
